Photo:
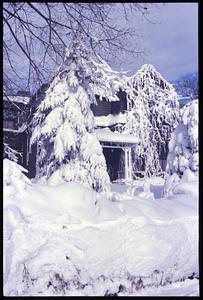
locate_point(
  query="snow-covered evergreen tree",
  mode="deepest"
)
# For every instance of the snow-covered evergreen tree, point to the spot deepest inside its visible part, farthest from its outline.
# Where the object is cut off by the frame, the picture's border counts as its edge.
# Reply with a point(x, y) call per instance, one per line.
point(183, 156)
point(184, 146)
point(64, 123)
point(154, 113)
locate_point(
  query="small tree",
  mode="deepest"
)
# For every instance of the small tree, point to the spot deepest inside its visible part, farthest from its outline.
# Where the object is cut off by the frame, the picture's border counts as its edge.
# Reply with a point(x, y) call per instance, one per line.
point(184, 146)
point(64, 123)
point(183, 156)
point(154, 111)
point(64, 126)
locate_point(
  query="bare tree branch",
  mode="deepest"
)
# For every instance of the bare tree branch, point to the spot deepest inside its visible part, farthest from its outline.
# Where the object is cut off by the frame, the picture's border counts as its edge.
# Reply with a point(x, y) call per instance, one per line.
point(39, 33)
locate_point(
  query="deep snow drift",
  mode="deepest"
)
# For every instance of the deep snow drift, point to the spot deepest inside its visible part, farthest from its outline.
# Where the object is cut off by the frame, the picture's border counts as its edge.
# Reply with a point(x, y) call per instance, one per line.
point(69, 240)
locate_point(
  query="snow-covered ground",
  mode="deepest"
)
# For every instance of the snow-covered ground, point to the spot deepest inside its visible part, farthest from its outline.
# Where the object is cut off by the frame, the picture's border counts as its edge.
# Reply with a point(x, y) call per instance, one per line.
point(181, 288)
point(69, 240)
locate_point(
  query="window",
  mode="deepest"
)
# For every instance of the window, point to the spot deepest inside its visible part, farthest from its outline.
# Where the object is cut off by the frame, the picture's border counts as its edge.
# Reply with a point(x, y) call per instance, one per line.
point(8, 124)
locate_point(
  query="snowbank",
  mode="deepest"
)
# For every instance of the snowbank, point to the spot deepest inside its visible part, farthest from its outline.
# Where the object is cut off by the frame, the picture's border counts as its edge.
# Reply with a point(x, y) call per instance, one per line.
point(69, 240)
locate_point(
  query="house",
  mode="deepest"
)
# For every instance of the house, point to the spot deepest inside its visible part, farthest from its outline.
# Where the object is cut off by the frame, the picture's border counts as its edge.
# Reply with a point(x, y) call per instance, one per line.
point(117, 146)
point(109, 118)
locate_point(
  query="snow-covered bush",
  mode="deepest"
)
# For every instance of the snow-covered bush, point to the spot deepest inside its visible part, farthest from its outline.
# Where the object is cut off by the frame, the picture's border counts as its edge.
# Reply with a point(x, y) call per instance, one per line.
point(183, 157)
point(154, 113)
point(64, 123)
point(13, 175)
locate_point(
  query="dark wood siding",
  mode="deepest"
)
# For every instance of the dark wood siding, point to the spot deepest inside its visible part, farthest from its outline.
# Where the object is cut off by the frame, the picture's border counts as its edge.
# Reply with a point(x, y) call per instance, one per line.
point(104, 107)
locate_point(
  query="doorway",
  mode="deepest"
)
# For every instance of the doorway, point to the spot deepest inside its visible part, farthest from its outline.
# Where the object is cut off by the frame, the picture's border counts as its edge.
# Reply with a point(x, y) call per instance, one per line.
point(112, 156)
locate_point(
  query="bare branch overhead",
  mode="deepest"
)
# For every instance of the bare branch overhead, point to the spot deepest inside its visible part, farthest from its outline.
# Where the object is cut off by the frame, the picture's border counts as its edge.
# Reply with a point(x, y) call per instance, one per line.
point(38, 33)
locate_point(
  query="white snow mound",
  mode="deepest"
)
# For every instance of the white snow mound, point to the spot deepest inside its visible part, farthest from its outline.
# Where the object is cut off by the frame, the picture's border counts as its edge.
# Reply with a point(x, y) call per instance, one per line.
point(69, 240)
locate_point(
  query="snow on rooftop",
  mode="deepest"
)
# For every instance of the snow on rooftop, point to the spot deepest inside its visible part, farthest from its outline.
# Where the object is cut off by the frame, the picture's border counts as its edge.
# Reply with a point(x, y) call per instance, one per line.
point(17, 99)
point(106, 135)
point(110, 120)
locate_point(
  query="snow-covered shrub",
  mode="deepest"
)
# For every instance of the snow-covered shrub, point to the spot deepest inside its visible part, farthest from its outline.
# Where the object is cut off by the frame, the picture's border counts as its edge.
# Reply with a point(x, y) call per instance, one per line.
point(64, 123)
point(13, 175)
point(154, 113)
point(183, 157)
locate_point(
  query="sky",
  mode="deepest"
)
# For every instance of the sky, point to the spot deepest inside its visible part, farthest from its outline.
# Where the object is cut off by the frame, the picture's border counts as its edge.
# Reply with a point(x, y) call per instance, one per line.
point(169, 39)
point(172, 43)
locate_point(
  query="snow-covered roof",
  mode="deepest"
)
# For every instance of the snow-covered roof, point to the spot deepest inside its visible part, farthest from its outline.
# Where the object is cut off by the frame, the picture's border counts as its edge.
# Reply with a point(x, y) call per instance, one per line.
point(106, 135)
point(110, 120)
point(17, 99)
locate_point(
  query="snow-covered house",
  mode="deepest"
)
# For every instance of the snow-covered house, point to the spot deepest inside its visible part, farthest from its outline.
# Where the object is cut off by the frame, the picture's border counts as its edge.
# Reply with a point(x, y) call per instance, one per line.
point(117, 146)
point(135, 131)
point(119, 132)
point(109, 117)
point(16, 112)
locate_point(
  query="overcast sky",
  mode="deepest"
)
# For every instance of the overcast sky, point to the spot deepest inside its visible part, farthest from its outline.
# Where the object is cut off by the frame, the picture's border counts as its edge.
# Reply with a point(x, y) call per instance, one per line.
point(172, 43)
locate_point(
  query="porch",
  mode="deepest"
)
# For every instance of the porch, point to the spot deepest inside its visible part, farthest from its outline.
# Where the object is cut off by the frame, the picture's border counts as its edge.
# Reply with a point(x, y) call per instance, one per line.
point(117, 149)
